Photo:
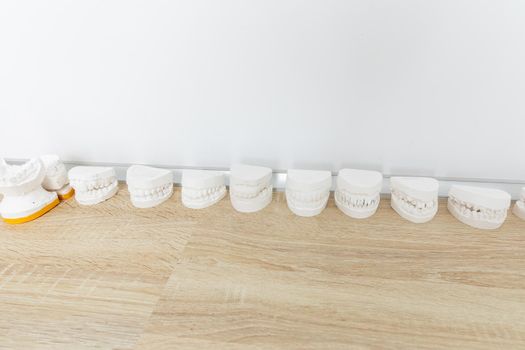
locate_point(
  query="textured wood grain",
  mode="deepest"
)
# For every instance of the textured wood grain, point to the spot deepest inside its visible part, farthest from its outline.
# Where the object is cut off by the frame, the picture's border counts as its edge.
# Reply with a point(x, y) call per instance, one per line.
point(115, 277)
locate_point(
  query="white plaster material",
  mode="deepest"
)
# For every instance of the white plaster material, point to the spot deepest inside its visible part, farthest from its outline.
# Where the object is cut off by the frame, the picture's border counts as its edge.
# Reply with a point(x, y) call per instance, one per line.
point(148, 186)
point(56, 176)
point(307, 191)
point(519, 206)
point(250, 187)
point(93, 184)
point(357, 192)
point(415, 198)
point(202, 188)
point(479, 207)
point(24, 198)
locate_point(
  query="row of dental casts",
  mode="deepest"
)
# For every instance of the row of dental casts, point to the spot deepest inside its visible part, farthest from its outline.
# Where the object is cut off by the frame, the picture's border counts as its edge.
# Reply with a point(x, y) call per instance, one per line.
point(32, 189)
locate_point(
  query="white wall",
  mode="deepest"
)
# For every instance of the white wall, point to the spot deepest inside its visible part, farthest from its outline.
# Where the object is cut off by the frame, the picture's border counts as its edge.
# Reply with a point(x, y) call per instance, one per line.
point(406, 87)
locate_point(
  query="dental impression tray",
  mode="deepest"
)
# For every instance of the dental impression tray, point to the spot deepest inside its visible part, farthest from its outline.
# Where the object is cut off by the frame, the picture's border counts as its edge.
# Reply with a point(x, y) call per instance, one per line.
point(24, 198)
point(519, 206)
point(93, 184)
point(148, 186)
point(307, 191)
point(483, 208)
point(415, 198)
point(250, 187)
point(56, 177)
point(357, 192)
point(202, 188)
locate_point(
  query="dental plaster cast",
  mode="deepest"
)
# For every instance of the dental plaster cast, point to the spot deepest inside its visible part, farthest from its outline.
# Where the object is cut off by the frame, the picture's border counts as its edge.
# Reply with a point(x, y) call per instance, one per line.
point(93, 184)
point(307, 191)
point(202, 188)
point(415, 198)
point(149, 187)
point(56, 177)
point(519, 206)
point(357, 192)
point(483, 208)
point(24, 197)
point(250, 187)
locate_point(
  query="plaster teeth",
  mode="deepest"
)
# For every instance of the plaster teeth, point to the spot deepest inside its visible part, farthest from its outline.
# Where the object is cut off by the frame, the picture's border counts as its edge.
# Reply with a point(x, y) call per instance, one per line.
point(414, 198)
point(307, 191)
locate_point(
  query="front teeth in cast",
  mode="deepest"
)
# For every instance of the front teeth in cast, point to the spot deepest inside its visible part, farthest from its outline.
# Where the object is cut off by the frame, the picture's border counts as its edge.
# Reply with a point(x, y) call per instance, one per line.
point(307, 191)
point(148, 186)
point(479, 207)
point(24, 198)
point(357, 192)
point(93, 184)
point(519, 207)
point(415, 198)
point(250, 187)
point(202, 188)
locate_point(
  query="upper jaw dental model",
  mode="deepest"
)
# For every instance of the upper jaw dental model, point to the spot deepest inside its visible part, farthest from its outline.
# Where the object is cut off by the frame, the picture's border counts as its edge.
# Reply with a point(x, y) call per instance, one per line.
point(519, 207)
point(56, 177)
point(483, 208)
point(93, 184)
point(415, 198)
point(202, 188)
point(149, 187)
point(357, 192)
point(24, 198)
point(250, 187)
point(307, 191)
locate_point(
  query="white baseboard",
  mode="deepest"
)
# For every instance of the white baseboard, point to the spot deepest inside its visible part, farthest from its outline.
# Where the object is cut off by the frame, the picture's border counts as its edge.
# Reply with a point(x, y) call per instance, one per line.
point(513, 187)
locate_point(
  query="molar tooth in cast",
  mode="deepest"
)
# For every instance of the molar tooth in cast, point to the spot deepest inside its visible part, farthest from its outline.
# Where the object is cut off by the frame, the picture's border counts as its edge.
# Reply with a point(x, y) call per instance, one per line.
point(485, 204)
point(313, 187)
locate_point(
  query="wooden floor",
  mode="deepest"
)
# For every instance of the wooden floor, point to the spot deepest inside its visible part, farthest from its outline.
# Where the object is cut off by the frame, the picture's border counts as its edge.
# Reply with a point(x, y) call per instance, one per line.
point(115, 277)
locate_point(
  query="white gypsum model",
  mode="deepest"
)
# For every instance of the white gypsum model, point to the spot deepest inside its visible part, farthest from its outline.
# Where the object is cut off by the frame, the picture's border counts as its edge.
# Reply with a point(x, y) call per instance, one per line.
point(93, 184)
point(24, 198)
point(307, 191)
point(56, 177)
point(149, 187)
point(415, 198)
point(357, 192)
point(483, 208)
point(250, 187)
point(519, 206)
point(202, 188)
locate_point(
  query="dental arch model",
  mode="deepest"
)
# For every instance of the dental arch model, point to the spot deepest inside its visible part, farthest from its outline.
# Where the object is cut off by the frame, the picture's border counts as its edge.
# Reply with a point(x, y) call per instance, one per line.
point(148, 186)
point(307, 191)
point(56, 177)
point(519, 206)
point(202, 188)
point(250, 187)
point(24, 197)
point(93, 184)
point(357, 192)
point(415, 198)
point(483, 208)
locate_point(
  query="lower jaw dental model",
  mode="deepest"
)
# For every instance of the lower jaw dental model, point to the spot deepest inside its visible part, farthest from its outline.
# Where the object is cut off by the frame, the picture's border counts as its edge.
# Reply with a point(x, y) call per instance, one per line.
point(149, 187)
point(415, 198)
point(357, 192)
point(202, 188)
point(482, 208)
point(93, 184)
point(250, 188)
point(307, 191)
point(56, 177)
point(24, 197)
point(519, 206)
